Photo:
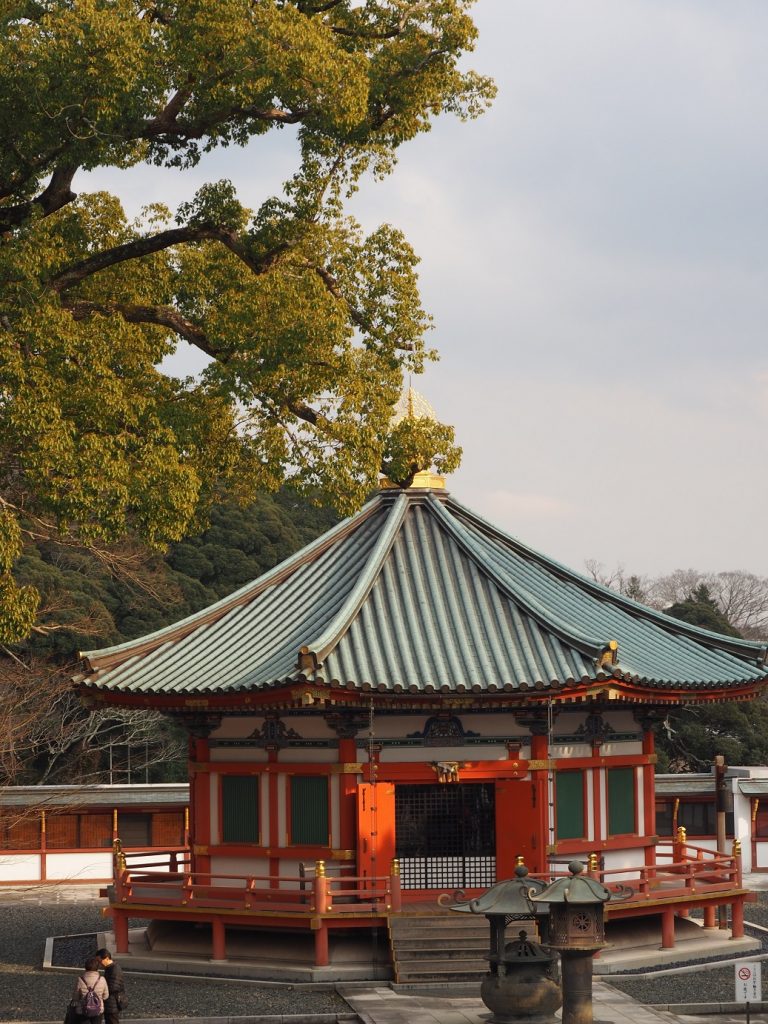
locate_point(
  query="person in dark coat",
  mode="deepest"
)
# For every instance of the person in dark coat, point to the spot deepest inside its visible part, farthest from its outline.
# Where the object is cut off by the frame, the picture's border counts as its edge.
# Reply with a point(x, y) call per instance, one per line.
point(113, 974)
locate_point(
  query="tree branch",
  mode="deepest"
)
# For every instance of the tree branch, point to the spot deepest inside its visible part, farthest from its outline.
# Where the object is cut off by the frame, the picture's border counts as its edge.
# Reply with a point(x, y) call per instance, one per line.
point(57, 194)
point(149, 244)
point(161, 316)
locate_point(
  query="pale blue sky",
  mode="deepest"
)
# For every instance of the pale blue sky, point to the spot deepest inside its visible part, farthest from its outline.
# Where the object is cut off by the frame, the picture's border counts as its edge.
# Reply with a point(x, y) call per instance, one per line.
point(595, 254)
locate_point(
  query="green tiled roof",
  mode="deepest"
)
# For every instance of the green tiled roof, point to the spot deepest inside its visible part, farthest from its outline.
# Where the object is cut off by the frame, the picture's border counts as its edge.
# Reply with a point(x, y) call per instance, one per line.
point(417, 594)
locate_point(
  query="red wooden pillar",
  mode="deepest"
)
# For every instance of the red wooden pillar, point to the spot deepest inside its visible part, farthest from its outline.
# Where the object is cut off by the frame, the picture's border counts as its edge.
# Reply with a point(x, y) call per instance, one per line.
point(649, 791)
point(737, 918)
point(322, 905)
point(218, 939)
point(200, 791)
point(43, 848)
point(668, 928)
point(540, 778)
point(120, 925)
point(273, 839)
point(321, 945)
point(710, 920)
point(348, 793)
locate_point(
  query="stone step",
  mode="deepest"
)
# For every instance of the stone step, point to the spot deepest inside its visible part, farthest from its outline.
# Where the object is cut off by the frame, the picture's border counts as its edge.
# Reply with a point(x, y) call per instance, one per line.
point(480, 943)
point(463, 952)
point(440, 971)
point(404, 925)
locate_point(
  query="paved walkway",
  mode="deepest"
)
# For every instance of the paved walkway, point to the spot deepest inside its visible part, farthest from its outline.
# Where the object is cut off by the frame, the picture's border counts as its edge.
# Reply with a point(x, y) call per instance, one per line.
point(381, 1005)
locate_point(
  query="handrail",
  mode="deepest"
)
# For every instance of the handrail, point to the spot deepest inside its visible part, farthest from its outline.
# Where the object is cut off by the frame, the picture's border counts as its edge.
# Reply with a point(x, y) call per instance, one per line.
point(687, 869)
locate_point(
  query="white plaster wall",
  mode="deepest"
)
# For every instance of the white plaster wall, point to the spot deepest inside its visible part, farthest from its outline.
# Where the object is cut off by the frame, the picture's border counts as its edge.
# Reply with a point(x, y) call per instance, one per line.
point(244, 866)
point(399, 727)
point(308, 755)
point(421, 755)
point(240, 755)
point(310, 727)
point(603, 803)
point(258, 868)
point(762, 854)
point(590, 806)
point(22, 867)
point(624, 748)
point(234, 728)
point(79, 865)
point(619, 860)
point(570, 750)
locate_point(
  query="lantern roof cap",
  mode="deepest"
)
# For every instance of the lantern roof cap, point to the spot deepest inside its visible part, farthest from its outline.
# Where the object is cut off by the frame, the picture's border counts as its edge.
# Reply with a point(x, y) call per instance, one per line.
point(578, 889)
point(510, 897)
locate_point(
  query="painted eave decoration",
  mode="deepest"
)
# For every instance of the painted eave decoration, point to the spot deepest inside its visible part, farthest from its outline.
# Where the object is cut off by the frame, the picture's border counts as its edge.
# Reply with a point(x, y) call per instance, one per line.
point(417, 595)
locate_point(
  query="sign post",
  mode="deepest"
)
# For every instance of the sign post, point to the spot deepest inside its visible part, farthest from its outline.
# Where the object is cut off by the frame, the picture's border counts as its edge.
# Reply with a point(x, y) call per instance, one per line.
point(749, 985)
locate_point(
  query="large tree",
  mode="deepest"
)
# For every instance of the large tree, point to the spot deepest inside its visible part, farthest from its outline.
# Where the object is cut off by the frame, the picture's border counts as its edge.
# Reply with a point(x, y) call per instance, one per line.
point(308, 322)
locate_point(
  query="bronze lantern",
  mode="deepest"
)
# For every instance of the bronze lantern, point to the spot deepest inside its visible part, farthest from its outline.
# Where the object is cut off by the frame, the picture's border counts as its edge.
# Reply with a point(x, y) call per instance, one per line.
point(577, 929)
point(522, 983)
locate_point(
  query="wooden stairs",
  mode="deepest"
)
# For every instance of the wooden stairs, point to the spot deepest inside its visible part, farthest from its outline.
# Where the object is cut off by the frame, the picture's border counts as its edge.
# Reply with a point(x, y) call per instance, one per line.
point(435, 949)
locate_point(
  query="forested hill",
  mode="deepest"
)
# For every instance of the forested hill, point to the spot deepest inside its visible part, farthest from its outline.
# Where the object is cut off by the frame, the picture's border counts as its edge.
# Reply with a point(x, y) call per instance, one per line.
point(95, 598)
point(94, 601)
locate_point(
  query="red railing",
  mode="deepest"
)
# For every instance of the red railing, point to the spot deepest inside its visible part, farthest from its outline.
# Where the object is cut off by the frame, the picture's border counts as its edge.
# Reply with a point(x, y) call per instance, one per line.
point(682, 870)
point(311, 892)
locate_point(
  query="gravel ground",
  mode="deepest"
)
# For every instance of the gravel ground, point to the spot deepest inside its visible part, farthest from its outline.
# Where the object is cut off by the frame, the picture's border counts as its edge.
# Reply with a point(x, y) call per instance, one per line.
point(711, 984)
point(29, 993)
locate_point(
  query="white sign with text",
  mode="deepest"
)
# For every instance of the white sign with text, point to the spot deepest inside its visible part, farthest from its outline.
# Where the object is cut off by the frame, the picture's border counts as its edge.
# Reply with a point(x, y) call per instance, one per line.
point(749, 986)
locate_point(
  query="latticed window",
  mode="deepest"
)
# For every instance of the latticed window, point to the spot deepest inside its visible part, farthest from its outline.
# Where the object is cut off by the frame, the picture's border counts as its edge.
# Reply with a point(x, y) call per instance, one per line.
point(621, 801)
point(19, 832)
point(134, 829)
point(239, 809)
point(95, 830)
point(309, 810)
point(168, 828)
point(62, 832)
point(569, 805)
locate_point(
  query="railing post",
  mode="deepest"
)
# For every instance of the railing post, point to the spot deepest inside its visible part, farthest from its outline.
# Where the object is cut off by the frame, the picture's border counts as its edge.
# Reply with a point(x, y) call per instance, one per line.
point(738, 864)
point(186, 890)
point(118, 858)
point(593, 865)
point(396, 897)
point(322, 902)
point(678, 847)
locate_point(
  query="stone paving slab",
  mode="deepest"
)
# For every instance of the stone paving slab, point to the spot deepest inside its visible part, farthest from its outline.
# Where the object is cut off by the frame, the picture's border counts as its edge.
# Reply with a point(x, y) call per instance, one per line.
point(380, 1005)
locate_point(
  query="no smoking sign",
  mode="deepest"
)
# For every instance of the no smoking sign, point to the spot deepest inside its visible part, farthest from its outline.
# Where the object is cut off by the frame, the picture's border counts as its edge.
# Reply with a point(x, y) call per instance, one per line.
point(749, 986)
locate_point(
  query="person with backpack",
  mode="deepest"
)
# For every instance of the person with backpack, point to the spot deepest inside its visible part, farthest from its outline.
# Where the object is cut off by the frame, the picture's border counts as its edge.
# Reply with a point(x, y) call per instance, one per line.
point(91, 992)
point(113, 974)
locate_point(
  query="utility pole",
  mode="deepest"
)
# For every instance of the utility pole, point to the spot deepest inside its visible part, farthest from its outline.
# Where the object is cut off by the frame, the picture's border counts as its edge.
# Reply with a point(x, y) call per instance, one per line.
point(721, 798)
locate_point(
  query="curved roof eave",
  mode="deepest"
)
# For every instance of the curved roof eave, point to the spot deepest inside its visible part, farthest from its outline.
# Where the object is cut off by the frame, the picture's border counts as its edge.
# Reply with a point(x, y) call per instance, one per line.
point(106, 656)
point(740, 647)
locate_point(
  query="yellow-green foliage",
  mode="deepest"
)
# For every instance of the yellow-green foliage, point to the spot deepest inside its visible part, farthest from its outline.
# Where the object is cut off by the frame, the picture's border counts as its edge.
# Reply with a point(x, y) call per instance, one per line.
point(309, 323)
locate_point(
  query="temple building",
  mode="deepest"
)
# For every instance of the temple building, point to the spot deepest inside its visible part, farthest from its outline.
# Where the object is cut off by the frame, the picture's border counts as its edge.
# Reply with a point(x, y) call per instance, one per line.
point(407, 707)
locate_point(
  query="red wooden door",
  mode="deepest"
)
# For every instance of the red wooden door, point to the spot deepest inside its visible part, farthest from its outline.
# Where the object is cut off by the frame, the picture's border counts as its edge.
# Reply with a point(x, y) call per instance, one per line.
point(375, 829)
point(517, 827)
